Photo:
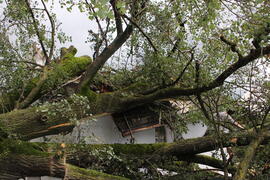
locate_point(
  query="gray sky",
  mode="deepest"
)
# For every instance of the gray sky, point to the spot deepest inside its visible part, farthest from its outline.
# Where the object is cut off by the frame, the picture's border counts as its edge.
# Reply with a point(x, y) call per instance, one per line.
point(76, 25)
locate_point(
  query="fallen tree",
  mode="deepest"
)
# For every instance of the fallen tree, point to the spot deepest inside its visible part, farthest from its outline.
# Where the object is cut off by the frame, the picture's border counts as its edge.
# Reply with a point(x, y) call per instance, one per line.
point(52, 159)
point(47, 103)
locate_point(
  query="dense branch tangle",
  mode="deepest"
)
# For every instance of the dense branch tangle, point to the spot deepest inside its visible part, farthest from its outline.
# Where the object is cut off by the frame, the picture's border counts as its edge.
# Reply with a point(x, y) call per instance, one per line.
point(26, 123)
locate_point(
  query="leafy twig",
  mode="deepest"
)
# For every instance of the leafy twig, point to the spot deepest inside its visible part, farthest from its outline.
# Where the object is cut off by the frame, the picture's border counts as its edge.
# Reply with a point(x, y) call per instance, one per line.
point(117, 17)
point(232, 46)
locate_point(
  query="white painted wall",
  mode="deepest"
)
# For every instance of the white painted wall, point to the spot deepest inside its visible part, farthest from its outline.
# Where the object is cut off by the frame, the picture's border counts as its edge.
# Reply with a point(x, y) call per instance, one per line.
point(195, 130)
point(104, 131)
point(169, 134)
point(43, 178)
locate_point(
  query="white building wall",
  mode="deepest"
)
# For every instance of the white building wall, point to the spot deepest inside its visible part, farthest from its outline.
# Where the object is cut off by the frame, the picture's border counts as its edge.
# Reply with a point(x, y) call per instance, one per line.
point(169, 134)
point(99, 131)
point(42, 178)
point(195, 130)
point(104, 131)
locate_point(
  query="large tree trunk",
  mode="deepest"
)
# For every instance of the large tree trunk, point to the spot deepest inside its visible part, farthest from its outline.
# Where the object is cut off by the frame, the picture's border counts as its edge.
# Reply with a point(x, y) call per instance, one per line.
point(20, 166)
point(28, 159)
point(23, 159)
point(19, 159)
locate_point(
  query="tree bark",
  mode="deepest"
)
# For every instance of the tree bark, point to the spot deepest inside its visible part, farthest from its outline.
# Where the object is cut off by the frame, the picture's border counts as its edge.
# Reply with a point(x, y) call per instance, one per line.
point(249, 154)
point(185, 150)
point(20, 159)
point(21, 166)
point(99, 62)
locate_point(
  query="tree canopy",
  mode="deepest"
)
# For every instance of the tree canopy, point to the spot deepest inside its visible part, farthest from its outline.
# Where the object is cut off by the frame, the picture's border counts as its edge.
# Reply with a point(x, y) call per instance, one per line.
point(211, 53)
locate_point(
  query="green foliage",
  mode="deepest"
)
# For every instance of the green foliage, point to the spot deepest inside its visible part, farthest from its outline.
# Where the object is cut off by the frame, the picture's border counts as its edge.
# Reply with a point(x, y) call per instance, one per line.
point(68, 68)
point(19, 21)
point(18, 82)
point(102, 8)
point(72, 110)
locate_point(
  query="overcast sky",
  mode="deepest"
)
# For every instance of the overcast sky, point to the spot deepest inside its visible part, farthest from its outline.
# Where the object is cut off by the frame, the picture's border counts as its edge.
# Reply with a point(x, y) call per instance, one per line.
point(76, 25)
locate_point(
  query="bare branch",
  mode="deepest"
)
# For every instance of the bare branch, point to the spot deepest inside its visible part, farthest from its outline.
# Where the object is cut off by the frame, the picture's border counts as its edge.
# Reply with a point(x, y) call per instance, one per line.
point(37, 32)
point(178, 92)
point(141, 30)
point(198, 96)
point(184, 70)
point(27, 62)
point(202, 107)
point(93, 68)
point(98, 23)
point(53, 29)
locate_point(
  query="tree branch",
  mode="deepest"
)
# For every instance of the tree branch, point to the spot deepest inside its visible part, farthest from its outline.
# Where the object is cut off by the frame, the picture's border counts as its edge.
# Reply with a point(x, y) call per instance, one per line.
point(37, 31)
point(93, 68)
point(27, 62)
point(141, 30)
point(117, 17)
point(184, 70)
point(249, 154)
point(98, 23)
point(154, 89)
point(21, 166)
point(232, 46)
point(172, 92)
point(209, 161)
point(35, 90)
point(33, 93)
point(71, 67)
point(52, 32)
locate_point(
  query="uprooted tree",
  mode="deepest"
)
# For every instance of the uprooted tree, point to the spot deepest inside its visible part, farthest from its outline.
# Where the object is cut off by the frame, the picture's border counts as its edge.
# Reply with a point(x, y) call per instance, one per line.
point(205, 52)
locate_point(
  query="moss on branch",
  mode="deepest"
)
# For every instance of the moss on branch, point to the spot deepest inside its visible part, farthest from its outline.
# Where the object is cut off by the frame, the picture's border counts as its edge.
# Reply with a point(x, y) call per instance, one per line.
point(76, 173)
point(14, 154)
point(242, 168)
point(69, 67)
